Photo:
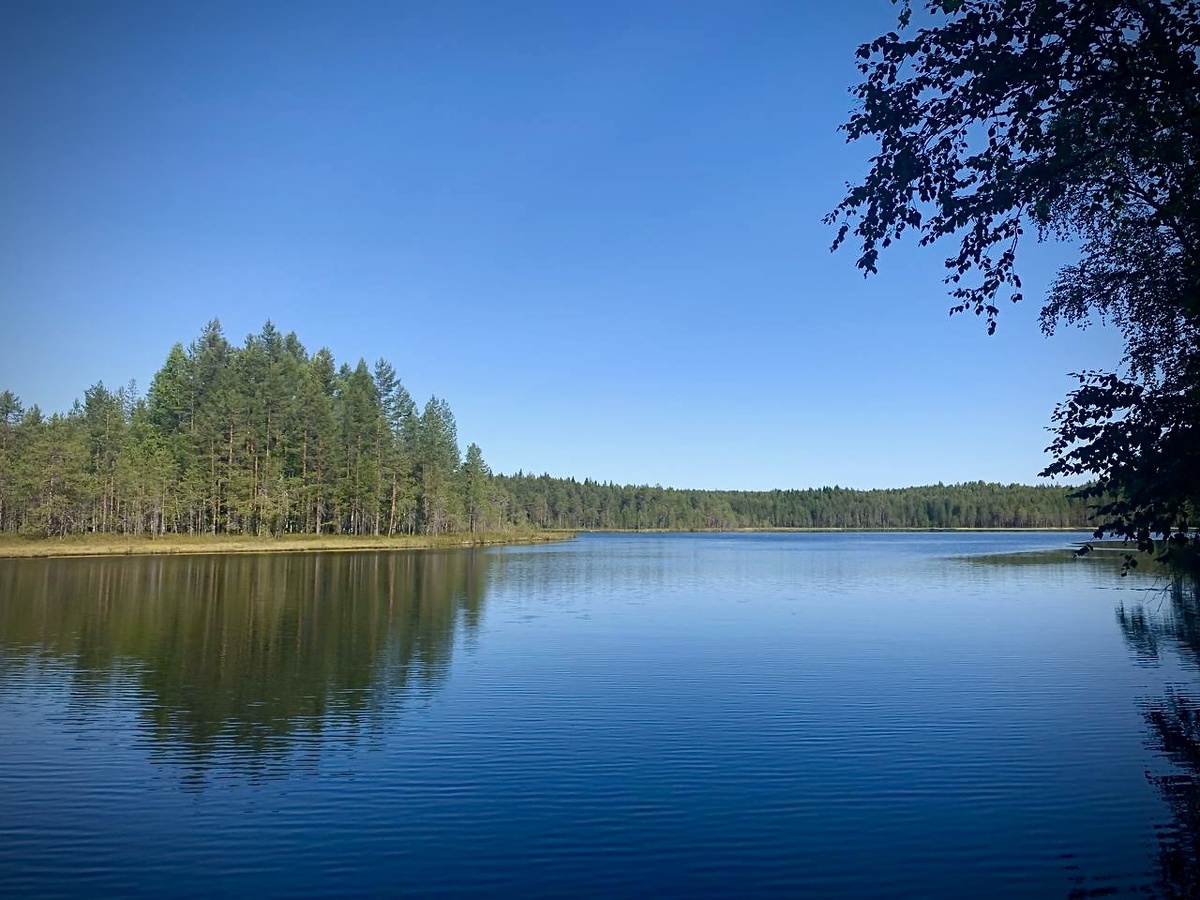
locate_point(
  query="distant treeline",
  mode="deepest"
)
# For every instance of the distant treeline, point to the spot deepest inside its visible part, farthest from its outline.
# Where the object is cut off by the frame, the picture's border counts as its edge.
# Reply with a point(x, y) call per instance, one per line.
point(269, 439)
point(565, 503)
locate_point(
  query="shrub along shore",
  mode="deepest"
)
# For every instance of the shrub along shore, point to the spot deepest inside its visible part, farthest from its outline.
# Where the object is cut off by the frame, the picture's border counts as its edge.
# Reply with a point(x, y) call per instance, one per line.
point(118, 545)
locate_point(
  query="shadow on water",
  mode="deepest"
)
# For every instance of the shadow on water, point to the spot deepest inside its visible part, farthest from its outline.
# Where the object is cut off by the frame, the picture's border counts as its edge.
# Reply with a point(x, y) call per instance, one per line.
point(236, 661)
point(1170, 620)
point(1160, 628)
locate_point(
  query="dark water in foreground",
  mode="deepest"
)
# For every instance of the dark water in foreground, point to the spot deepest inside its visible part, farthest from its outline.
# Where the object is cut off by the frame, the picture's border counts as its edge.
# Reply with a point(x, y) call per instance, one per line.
point(822, 715)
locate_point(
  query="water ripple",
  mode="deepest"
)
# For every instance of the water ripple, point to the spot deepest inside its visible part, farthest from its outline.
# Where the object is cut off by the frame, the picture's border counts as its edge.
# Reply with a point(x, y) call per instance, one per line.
point(627, 716)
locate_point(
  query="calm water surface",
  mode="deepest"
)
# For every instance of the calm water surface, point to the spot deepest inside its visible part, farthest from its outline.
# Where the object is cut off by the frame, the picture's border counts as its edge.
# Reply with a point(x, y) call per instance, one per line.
point(923, 715)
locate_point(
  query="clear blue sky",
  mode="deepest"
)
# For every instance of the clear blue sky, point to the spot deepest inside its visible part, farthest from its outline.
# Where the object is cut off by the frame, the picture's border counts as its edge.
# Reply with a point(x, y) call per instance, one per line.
point(595, 229)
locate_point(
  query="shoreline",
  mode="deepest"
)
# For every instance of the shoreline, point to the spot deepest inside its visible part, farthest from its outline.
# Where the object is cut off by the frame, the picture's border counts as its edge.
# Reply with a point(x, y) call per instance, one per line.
point(1045, 529)
point(83, 546)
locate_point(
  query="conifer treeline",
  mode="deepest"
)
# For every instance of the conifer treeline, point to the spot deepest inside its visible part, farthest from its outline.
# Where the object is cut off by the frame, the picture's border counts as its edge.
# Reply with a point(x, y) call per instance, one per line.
point(258, 439)
point(565, 503)
point(268, 439)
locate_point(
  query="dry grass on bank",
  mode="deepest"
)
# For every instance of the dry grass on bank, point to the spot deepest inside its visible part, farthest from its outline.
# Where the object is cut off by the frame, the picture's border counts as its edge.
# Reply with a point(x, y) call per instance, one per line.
point(118, 545)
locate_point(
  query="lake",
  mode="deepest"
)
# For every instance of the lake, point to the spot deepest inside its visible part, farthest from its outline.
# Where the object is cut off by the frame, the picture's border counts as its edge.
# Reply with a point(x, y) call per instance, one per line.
point(842, 715)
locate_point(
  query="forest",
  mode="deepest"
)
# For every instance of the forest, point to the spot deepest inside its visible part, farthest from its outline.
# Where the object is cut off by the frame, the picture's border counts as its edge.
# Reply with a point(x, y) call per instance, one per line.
point(268, 439)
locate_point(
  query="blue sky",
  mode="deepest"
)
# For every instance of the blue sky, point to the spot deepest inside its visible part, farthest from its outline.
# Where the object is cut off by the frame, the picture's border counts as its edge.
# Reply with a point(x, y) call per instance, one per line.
point(595, 229)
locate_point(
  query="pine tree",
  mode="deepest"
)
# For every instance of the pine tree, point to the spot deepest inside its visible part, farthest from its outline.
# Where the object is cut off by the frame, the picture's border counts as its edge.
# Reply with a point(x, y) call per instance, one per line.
point(476, 490)
point(437, 462)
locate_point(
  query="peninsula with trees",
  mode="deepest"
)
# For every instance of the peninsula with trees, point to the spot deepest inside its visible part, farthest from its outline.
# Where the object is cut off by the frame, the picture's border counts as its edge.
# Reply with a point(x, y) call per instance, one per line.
point(267, 440)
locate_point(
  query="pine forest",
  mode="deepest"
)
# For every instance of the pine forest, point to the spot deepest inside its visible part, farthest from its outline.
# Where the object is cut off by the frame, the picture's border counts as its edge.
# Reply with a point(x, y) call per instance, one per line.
point(267, 439)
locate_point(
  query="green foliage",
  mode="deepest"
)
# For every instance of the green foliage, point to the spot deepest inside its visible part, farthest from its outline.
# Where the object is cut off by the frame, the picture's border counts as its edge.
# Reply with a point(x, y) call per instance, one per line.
point(397, 450)
point(264, 439)
point(437, 461)
point(476, 491)
point(259, 439)
point(1081, 120)
point(547, 502)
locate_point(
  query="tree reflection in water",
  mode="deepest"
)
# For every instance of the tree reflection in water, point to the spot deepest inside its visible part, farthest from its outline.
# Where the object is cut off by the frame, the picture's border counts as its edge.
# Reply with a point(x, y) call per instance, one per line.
point(237, 662)
point(1173, 620)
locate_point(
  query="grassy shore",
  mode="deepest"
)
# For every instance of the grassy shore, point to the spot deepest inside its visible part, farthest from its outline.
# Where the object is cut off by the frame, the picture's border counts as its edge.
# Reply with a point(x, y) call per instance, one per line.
point(117, 545)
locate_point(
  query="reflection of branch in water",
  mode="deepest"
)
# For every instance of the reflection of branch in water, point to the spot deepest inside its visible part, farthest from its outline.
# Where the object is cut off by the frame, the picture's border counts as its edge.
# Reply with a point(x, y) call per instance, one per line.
point(1139, 633)
point(1172, 620)
point(238, 661)
point(1175, 723)
point(1172, 616)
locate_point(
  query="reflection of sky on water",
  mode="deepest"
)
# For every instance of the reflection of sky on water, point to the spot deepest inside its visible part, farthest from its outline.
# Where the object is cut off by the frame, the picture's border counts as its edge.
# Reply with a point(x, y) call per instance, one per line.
point(726, 713)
